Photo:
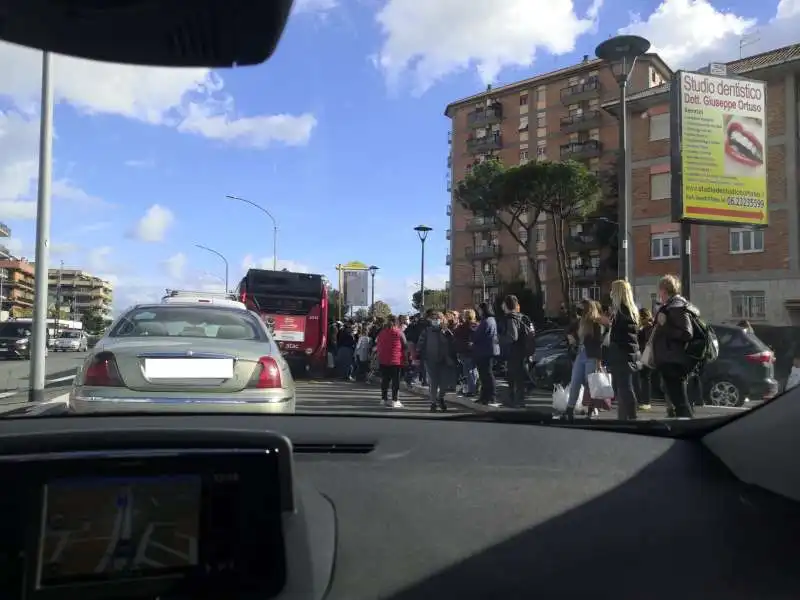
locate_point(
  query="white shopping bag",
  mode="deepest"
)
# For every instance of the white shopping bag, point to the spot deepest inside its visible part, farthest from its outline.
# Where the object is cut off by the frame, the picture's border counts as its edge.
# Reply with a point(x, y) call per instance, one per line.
point(580, 407)
point(600, 387)
point(560, 398)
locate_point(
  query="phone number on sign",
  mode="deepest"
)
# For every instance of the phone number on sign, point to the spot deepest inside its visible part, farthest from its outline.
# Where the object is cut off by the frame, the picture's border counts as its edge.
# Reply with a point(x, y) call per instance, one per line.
point(746, 202)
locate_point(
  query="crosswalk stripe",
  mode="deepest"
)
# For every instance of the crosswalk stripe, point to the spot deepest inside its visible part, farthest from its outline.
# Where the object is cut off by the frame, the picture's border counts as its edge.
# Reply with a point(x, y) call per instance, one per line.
point(331, 395)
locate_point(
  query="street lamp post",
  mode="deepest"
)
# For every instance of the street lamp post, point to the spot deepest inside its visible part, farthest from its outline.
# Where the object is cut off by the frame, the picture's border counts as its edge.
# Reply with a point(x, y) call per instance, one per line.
point(372, 270)
point(422, 232)
point(224, 260)
point(274, 227)
point(621, 52)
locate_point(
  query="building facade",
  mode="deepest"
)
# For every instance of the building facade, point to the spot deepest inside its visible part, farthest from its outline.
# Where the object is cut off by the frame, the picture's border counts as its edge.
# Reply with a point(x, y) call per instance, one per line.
point(78, 292)
point(16, 285)
point(737, 273)
point(555, 116)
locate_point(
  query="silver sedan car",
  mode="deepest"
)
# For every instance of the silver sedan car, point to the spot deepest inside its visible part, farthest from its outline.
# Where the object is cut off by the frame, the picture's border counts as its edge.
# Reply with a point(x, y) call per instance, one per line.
point(186, 355)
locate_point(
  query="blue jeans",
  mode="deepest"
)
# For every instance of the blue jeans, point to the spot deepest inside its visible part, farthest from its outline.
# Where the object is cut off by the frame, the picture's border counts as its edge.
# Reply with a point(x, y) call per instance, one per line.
point(470, 373)
point(581, 369)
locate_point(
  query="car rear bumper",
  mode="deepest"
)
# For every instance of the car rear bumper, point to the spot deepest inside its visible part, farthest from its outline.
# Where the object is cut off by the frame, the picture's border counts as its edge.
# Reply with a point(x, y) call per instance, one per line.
point(106, 400)
point(760, 390)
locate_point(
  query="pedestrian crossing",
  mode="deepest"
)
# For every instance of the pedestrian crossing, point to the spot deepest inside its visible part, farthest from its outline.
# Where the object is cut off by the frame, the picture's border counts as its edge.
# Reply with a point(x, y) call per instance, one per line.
point(331, 396)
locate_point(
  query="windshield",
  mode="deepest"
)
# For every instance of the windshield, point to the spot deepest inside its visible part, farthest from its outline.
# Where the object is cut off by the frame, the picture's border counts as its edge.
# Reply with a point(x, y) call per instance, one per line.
point(426, 207)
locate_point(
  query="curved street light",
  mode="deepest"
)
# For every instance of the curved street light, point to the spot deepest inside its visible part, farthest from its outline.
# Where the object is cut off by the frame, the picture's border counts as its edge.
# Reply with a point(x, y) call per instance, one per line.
point(220, 255)
point(621, 53)
point(422, 232)
point(274, 226)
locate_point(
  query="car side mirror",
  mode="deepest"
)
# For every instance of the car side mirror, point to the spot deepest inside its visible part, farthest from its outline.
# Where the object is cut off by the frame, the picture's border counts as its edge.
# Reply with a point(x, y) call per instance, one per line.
point(169, 33)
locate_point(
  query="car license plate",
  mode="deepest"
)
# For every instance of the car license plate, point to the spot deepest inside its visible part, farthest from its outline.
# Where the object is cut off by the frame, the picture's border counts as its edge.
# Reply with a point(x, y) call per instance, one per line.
point(188, 368)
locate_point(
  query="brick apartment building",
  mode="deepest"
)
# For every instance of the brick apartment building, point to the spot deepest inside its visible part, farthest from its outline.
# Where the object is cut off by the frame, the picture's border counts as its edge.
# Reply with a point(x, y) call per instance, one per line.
point(16, 284)
point(737, 273)
point(554, 117)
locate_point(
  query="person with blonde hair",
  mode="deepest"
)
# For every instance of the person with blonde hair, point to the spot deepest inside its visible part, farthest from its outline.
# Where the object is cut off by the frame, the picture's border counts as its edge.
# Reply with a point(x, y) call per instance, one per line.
point(590, 353)
point(623, 356)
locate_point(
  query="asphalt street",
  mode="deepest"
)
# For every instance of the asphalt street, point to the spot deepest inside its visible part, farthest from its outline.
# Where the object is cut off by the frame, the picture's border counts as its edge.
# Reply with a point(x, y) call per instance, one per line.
point(60, 368)
point(333, 395)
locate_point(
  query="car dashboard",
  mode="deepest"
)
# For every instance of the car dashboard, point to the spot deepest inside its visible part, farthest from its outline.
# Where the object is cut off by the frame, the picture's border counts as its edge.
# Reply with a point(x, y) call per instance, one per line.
point(362, 508)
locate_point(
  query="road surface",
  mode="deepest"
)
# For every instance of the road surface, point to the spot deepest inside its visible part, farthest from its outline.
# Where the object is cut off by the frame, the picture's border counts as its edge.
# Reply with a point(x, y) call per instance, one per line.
point(60, 368)
point(333, 395)
point(103, 528)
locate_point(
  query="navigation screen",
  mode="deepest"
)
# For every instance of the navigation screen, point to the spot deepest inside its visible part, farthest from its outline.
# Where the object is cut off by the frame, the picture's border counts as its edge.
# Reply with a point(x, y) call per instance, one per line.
point(101, 529)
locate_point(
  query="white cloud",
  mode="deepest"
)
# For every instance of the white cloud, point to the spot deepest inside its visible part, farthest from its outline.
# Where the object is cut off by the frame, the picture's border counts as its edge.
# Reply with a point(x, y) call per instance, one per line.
point(157, 96)
point(153, 226)
point(314, 6)
point(430, 40)
point(17, 209)
point(140, 164)
point(98, 259)
point(175, 265)
point(692, 33)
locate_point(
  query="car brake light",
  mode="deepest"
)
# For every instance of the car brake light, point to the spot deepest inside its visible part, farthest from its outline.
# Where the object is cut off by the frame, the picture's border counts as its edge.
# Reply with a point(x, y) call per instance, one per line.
point(764, 357)
point(102, 371)
point(269, 373)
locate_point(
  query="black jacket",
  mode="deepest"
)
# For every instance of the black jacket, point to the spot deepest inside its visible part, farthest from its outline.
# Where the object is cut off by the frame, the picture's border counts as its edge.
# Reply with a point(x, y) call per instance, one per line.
point(624, 338)
point(670, 339)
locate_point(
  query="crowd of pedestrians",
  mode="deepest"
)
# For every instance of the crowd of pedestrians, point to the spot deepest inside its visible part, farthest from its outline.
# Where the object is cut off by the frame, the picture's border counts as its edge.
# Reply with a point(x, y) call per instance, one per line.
point(447, 351)
point(645, 354)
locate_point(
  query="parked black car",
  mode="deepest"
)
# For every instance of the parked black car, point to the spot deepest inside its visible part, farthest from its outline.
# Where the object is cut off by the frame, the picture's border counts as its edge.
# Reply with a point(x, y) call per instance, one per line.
point(744, 370)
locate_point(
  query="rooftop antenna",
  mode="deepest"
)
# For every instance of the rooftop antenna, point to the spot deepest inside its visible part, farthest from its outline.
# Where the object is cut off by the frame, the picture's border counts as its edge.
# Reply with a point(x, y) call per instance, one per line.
point(748, 40)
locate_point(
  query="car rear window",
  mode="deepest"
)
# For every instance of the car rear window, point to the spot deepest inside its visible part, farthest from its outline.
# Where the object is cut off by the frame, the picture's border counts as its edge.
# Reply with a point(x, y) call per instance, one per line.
point(738, 339)
point(189, 321)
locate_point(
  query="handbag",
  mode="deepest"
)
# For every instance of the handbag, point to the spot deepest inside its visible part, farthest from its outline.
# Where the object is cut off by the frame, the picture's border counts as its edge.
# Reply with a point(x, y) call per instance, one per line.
point(648, 360)
point(600, 386)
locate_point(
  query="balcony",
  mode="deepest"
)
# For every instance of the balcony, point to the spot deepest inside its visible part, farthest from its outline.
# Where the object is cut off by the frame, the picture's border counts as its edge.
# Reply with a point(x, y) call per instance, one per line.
point(584, 273)
point(581, 92)
point(485, 117)
point(447, 260)
point(582, 241)
point(488, 143)
point(488, 279)
point(449, 210)
point(481, 252)
point(5, 230)
point(581, 122)
point(482, 224)
point(447, 234)
point(580, 150)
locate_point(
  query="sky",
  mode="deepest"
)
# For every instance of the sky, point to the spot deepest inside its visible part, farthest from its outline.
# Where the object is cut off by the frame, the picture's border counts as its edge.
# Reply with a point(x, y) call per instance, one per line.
point(340, 136)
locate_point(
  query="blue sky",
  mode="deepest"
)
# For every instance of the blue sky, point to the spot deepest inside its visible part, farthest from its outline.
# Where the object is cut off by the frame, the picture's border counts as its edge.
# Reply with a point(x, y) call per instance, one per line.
point(341, 135)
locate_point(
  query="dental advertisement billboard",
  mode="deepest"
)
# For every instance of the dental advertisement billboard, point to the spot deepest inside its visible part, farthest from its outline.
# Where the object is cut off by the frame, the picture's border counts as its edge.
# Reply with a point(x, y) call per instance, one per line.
point(719, 150)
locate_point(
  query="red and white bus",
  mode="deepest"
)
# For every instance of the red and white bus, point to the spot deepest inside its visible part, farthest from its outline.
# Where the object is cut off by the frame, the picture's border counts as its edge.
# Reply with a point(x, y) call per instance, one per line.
point(295, 306)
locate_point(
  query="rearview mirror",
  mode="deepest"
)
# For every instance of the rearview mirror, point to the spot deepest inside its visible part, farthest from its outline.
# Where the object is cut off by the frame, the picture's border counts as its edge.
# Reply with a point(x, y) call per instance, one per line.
point(170, 33)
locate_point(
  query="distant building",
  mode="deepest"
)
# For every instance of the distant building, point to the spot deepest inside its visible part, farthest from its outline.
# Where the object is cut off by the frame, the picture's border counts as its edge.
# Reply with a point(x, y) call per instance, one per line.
point(554, 116)
point(16, 284)
point(77, 292)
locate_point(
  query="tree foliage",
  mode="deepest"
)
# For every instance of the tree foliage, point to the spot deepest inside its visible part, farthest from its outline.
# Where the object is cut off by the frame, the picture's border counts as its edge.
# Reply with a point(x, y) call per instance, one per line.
point(516, 196)
point(334, 296)
point(94, 321)
point(361, 315)
point(434, 299)
point(380, 309)
point(529, 302)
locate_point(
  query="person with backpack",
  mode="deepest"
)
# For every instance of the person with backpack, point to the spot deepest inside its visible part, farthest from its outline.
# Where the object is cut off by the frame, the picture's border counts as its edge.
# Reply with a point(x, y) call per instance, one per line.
point(518, 340)
point(681, 344)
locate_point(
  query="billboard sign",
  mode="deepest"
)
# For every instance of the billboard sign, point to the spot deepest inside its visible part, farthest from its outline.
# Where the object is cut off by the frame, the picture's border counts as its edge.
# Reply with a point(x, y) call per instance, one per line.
point(287, 328)
point(355, 288)
point(719, 150)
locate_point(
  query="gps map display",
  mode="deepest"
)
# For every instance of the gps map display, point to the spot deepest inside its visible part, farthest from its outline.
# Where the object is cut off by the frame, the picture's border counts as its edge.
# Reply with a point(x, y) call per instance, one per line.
point(101, 529)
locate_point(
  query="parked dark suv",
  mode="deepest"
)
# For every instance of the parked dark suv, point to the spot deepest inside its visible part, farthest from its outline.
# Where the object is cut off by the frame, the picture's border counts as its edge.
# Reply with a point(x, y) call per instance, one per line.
point(745, 369)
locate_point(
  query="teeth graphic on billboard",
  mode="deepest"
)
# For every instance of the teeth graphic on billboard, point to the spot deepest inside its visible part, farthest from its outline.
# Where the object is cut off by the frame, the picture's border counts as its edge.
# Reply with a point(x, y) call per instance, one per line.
point(719, 162)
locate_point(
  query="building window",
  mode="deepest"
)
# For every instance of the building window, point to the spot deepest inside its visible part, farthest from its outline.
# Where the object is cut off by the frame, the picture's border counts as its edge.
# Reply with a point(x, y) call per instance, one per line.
point(541, 152)
point(523, 268)
point(660, 186)
point(523, 156)
point(659, 127)
point(523, 123)
point(523, 235)
point(523, 100)
point(540, 234)
point(541, 268)
point(748, 305)
point(541, 120)
point(541, 95)
point(664, 246)
point(746, 241)
point(577, 294)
